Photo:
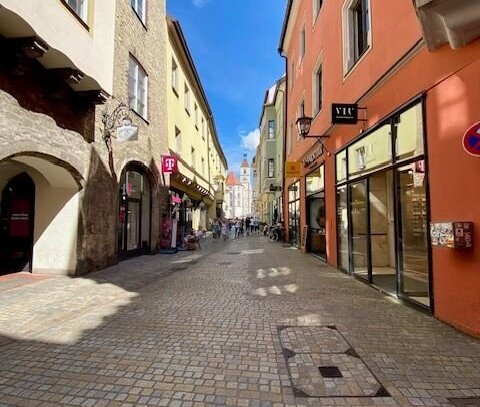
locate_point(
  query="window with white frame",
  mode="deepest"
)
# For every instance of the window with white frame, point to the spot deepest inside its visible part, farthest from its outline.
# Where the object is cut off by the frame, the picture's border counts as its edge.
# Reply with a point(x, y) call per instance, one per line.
point(193, 158)
point(195, 108)
point(140, 8)
point(271, 168)
point(302, 44)
point(203, 128)
point(178, 141)
point(137, 87)
point(357, 30)
point(271, 129)
point(317, 90)
point(80, 8)
point(317, 5)
point(187, 99)
point(203, 166)
point(175, 76)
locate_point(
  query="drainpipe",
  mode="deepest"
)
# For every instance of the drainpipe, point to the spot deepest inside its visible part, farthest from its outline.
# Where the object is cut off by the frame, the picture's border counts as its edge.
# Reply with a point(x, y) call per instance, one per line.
point(285, 125)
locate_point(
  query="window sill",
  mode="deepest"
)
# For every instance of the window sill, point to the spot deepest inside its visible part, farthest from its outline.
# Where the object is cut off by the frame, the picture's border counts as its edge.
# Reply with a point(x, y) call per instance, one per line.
point(77, 17)
point(356, 63)
point(140, 116)
point(144, 23)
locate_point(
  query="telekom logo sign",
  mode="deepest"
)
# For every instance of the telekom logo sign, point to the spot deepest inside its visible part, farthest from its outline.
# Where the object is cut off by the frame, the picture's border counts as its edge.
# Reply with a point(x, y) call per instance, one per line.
point(169, 164)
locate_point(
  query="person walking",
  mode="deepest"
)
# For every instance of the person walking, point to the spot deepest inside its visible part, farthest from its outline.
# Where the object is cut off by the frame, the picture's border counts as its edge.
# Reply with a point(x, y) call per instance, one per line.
point(224, 230)
point(238, 227)
point(247, 226)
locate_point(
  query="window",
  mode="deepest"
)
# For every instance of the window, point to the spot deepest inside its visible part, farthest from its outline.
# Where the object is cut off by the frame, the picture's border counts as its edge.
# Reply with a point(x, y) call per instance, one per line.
point(302, 44)
point(318, 91)
point(178, 141)
point(357, 39)
point(175, 76)
point(139, 6)
point(187, 99)
point(271, 129)
point(271, 168)
point(137, 87)
point(79, 7)
point(193, 158)
point(203, 166)
point(196, 115)
point(203, 128)
point(317, 5)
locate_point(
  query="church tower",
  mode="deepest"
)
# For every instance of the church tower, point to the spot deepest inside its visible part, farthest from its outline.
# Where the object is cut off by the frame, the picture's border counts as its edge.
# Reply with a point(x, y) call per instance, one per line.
point(247, 188)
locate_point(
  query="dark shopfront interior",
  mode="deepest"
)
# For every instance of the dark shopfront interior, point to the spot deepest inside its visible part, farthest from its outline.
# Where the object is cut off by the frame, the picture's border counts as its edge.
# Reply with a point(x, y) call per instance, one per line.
point(316, 215)
point(382, 208)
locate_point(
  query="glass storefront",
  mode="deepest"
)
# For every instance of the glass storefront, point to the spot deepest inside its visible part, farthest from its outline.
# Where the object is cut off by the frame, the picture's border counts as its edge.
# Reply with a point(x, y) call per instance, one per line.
point(315, 190)
point(382, 209)
point(294, 214)
point(134, 213)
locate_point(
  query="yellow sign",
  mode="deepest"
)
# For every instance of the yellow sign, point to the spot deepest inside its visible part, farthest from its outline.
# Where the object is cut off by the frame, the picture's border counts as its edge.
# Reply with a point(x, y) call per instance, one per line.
point(292, 169)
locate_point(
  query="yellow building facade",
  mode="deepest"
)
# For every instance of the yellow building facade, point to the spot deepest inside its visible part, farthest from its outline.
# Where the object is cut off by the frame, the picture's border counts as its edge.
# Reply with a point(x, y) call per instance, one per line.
point(197, 189)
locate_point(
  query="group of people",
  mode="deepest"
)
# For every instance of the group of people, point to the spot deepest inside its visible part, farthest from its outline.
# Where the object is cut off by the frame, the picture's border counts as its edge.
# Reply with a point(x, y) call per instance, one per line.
point(237, 227)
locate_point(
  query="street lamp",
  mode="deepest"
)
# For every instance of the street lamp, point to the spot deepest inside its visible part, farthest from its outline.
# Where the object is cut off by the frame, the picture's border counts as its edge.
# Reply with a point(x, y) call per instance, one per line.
point(304, 123)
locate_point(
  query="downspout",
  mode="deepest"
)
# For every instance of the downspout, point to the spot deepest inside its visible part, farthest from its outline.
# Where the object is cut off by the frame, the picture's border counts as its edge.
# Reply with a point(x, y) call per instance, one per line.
point(284, 152)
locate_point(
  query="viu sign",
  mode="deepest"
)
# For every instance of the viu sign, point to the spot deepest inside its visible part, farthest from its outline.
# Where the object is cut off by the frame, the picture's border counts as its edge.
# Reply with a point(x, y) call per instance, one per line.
point(169, 164)
point(344, 113)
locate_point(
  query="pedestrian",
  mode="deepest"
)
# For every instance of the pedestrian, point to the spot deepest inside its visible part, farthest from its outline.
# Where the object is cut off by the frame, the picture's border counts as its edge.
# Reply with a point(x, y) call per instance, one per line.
point(238, 227)
point(224, 229)
point(247, 226)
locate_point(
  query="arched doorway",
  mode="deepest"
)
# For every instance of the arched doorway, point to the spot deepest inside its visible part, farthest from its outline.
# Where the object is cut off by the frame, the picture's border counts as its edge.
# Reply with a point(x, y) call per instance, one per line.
point(134, 212)
point(16, 224)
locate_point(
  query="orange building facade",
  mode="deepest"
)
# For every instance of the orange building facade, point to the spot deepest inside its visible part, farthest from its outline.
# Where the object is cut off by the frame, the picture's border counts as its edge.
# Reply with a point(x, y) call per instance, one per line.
point(378, 199)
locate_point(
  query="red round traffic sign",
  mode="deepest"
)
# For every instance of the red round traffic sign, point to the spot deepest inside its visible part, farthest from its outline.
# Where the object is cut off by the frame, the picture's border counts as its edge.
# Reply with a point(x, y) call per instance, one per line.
point(471, 140)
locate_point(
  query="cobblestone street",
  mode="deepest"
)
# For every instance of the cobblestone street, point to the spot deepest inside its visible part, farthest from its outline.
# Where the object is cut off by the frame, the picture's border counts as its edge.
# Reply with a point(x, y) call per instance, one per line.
point(249, 323)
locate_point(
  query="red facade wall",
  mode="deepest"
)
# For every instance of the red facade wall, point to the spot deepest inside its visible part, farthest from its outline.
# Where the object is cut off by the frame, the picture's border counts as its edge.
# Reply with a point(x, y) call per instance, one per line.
point(449, 81)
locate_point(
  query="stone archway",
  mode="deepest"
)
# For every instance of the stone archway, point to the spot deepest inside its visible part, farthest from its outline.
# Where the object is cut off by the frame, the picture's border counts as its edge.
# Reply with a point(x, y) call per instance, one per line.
point(54, 218)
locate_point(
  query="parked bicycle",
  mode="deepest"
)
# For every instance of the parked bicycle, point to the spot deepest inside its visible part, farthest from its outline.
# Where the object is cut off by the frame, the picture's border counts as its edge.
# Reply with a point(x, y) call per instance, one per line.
point(276, 232)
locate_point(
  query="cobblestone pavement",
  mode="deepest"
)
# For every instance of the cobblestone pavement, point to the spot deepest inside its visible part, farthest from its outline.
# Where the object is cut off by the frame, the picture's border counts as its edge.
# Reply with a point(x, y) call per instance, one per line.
point(250, 323)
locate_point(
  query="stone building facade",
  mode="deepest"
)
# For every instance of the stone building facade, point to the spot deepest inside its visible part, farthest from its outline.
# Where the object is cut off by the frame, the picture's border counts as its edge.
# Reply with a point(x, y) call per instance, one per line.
point(70, 204)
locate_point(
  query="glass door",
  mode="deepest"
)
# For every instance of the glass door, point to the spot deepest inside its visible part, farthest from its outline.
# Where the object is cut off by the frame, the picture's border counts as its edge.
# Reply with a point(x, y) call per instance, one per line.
point(382, 231)
point(360, 229)
point(412, 234)
point(317, 225)
point(133, 226)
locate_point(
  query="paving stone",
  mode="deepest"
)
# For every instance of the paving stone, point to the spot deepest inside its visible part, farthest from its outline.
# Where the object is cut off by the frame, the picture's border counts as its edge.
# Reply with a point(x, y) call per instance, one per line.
point(146, 333)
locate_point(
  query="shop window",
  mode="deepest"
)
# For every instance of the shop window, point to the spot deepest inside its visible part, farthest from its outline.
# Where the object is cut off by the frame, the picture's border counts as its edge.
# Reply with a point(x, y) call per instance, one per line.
point(79, 7)
point(140, 9)
point(341, 166)
point(137, 87)
point(357, 29)
point(371, 152)
point(315, 181)
point(409, 133)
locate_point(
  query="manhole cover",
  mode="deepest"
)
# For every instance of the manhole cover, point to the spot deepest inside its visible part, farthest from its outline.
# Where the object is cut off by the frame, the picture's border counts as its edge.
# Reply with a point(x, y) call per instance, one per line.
point(466, 402)
point(330, 372)
point(333, 375)
point(313, 339)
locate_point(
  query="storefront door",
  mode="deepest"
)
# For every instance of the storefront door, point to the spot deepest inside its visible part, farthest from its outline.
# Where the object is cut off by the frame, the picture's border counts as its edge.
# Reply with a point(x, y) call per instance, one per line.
point(360, 258)
point(16, 225)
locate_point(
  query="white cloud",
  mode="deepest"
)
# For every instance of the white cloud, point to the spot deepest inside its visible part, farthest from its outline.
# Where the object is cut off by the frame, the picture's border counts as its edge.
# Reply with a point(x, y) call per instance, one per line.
point(200, 3)
point(251, 140)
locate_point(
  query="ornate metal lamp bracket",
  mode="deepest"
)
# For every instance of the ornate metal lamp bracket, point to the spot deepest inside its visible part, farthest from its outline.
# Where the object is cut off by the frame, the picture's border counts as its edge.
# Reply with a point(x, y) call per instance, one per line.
point(112, 121)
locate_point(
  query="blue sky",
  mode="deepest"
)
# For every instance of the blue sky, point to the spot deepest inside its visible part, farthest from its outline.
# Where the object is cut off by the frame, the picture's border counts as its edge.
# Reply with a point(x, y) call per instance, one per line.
point(234, 45)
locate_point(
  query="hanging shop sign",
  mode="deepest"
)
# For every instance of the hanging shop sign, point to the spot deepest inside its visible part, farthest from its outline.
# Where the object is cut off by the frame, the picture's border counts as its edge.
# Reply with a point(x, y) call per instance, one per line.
point(292, 169)
point(169, 164)
point(313, 157)
point(344, 113)
point(127, 131)
point(471, 140)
